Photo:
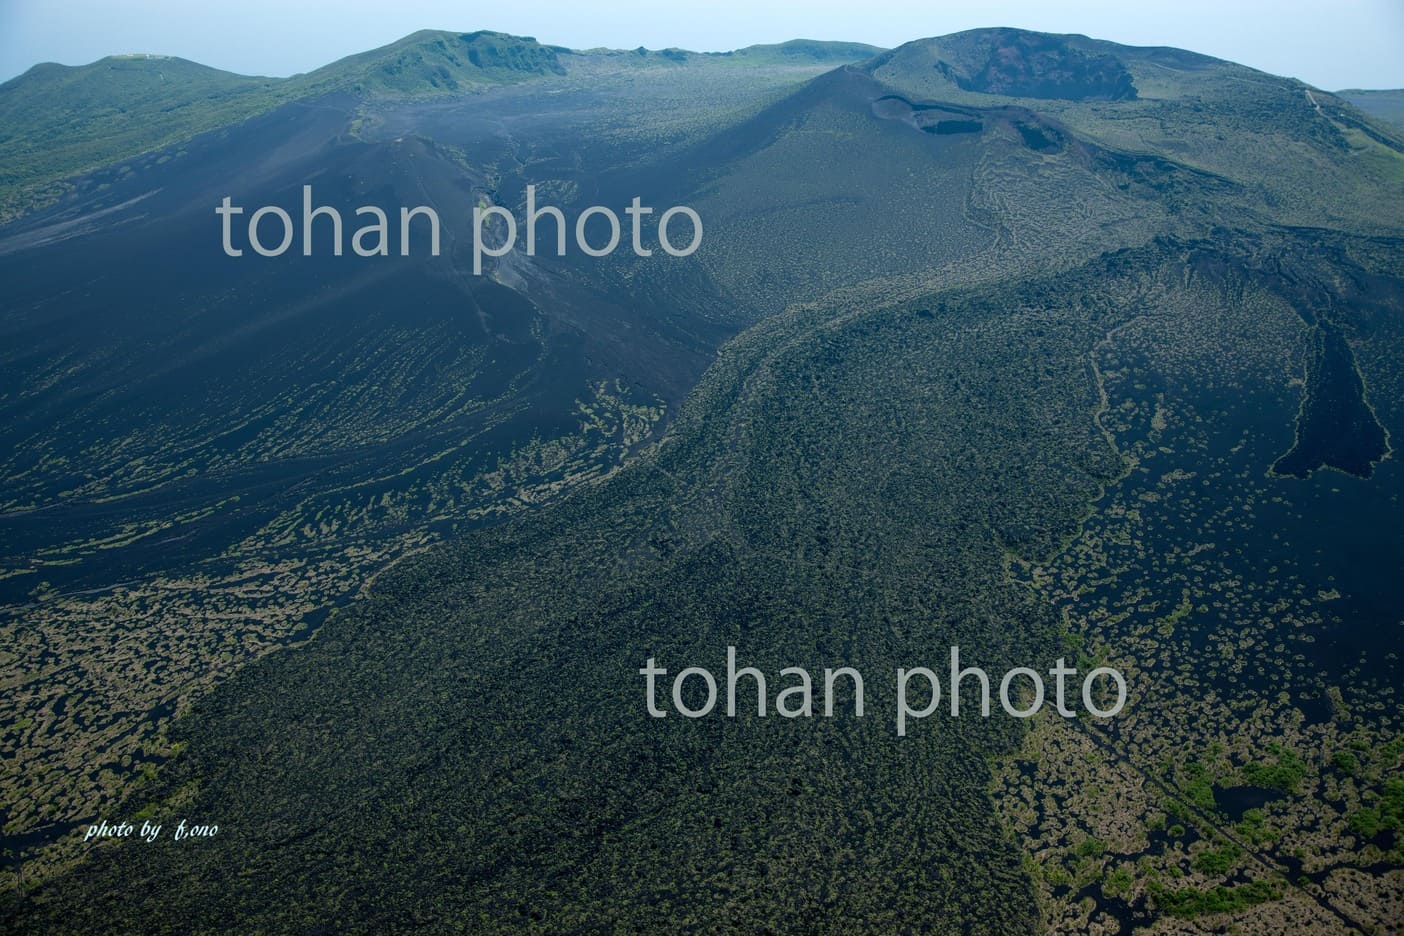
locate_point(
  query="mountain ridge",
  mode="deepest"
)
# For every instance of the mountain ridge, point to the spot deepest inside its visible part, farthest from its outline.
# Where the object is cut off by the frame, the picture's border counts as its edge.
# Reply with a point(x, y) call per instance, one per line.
point(84, 117)
point(71, 113)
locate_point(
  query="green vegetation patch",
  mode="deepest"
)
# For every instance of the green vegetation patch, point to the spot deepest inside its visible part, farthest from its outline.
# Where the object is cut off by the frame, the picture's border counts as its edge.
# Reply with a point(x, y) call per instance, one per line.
point(1285, 773)
point(1191, 902)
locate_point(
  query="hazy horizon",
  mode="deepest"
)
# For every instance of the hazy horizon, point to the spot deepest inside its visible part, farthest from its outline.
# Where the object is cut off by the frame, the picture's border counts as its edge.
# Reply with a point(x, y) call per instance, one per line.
point(1360, 45)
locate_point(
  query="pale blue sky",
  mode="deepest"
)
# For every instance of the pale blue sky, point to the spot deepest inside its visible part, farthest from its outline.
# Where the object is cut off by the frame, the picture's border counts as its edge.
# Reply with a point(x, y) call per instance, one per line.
point(1333, 45)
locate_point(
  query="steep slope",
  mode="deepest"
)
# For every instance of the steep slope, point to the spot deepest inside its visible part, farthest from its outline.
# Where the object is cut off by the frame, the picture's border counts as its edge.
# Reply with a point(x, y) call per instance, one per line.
point(259, 438)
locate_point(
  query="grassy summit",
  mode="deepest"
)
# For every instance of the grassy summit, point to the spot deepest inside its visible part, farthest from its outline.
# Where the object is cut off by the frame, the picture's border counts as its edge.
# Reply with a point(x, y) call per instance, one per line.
point(56, 120)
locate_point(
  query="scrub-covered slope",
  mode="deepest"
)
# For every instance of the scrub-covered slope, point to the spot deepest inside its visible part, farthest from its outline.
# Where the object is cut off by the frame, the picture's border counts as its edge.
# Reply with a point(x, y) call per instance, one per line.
point(1037, 345)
